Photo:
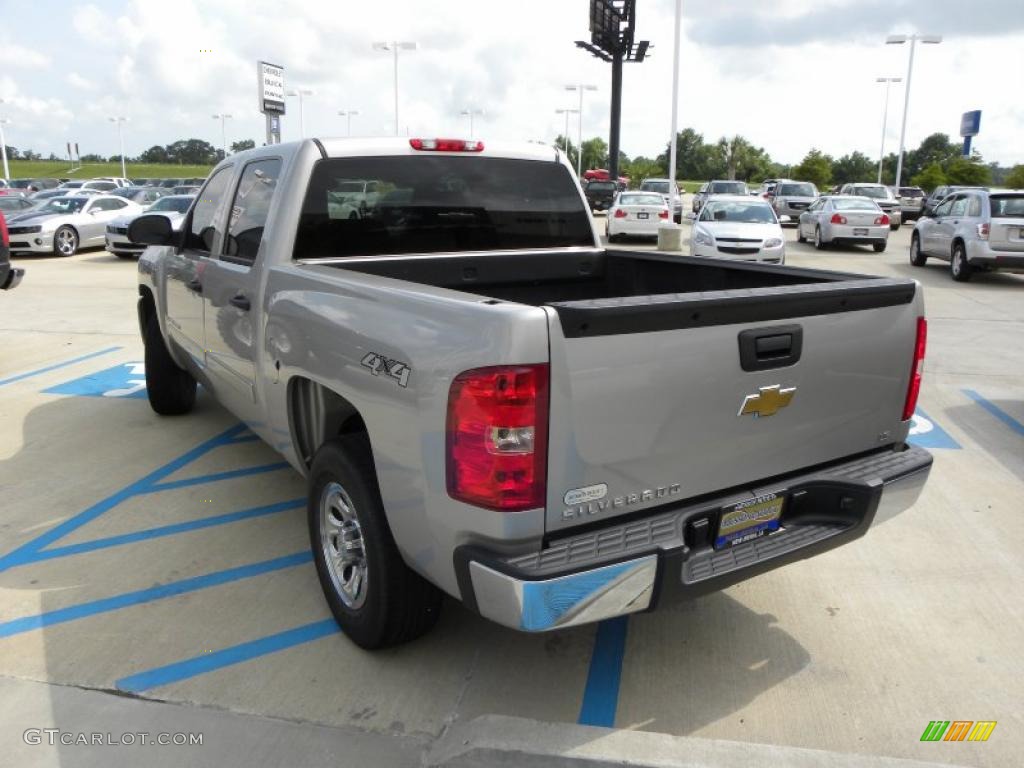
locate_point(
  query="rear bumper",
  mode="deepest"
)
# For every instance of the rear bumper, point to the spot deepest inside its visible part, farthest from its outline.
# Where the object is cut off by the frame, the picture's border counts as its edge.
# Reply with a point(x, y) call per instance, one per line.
point(980, 252)
point(640, 227)
point(624, 568)
point(11, 279)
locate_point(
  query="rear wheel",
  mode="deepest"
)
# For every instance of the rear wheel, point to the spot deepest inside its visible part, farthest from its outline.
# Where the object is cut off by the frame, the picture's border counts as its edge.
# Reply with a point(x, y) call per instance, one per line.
point(377, 600)
point(800, 233)
point(879, 247)
point(818, 242)
point(917, 258)
point(171, 390)
point(959, 267)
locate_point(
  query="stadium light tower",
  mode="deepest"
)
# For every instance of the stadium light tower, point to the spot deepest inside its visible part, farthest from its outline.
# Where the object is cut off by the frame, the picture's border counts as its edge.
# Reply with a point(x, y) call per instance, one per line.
point(470, 112)
point(566, 112)
point(395, 46)
point(223, 131)
point(347, 114)
point(3, 145)
point(885, 118)
point(300, 92)
point(581, 87)
point(120, 140)
point(900, 40)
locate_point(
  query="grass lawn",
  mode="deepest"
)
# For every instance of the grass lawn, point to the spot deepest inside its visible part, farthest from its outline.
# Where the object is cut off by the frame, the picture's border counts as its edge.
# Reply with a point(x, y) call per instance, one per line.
point(58, 169)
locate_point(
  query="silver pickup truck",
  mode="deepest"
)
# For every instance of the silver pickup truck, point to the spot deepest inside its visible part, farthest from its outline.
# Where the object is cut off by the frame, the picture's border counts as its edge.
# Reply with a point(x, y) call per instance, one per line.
point(487, 403)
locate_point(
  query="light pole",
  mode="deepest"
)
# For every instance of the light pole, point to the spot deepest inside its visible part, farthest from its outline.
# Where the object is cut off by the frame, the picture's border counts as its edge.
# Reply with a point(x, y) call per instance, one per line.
point(300, 92)
point(567, 112)
point(885, 118)
point(394, 46)
point(120, 139)
point(3, 145)
point(899, 40)
point(223, 131)
point(347, 114)
point(675, 115)
point(470, 111)
point(581, 87)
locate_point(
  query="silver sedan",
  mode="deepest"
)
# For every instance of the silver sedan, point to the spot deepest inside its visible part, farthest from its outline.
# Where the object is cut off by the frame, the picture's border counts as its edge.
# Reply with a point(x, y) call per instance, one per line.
point(65, 224)
point(834, 219)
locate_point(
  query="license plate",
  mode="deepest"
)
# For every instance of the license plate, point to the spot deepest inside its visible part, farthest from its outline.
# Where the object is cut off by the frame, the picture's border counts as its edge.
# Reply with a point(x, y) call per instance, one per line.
point(642, 215)
point(748, 520)
point(860, 232)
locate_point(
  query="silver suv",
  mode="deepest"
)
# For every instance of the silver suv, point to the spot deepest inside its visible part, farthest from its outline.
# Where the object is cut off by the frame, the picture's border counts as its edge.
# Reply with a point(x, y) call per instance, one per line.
point(718, 187)
point(791, 198)
point(972, 229)
point(881, 195)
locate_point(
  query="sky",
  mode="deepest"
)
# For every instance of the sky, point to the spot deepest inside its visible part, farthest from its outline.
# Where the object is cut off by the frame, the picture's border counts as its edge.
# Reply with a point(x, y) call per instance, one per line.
point(787, 74)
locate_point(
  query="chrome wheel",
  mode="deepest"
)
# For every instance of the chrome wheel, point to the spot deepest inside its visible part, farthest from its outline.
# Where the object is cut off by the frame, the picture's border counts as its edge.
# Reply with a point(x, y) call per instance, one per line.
point(66, 241)
point(341, 538)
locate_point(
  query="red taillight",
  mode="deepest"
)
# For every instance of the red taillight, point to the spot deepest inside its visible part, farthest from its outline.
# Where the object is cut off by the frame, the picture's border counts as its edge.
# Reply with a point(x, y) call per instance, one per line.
point(446, 145)
point(619, 213)
point(838, 219)
point(497, 437)
point(983, 230)
point(663, 215)
point(917, 369)
point(881, 221)
point(4, 241)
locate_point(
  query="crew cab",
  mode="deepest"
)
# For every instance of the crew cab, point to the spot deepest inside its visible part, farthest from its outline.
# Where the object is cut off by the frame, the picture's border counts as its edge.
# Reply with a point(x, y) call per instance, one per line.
point(486, 403)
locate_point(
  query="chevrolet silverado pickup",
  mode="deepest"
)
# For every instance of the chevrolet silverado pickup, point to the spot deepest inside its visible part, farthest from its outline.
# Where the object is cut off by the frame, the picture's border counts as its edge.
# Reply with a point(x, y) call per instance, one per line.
point(487, 403)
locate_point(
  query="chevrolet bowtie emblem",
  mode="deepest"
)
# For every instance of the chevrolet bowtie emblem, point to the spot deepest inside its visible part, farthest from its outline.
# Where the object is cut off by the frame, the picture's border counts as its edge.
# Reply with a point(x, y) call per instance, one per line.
point(767, 401)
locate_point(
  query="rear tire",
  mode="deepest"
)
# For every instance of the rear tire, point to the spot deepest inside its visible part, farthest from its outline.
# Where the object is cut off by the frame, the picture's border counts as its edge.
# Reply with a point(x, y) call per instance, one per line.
point(879, 247)
point(959, 267)
point(171, 390)
point(800, 234)
point(818, 242)
point(391, 604)
point(917, 258)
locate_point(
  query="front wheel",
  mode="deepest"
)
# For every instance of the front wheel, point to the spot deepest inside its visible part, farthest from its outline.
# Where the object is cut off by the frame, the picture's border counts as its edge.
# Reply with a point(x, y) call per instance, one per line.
point(171, 390)
point(377, 600)
point(818, 242)
point(65, 241)
point(959, 267)
point(879, 247)
point(917, 258)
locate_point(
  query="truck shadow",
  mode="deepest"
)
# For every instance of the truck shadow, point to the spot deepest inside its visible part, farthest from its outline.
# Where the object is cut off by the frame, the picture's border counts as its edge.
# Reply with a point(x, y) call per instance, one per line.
point(998, 440)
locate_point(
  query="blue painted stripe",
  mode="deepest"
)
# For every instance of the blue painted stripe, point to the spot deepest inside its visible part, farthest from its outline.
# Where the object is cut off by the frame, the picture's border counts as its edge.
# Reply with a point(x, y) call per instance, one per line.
point(996, 411)
point(55, 366)
point(172, 589)
point(26, 551)
point(216, 477)
point(601, 695)
point(226, 657)
point(166, 530)
point(245, 439)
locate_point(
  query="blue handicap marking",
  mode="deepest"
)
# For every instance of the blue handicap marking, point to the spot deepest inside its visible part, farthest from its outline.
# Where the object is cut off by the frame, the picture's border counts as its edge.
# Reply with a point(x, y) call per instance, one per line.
point(125, 380)
point(926, 433)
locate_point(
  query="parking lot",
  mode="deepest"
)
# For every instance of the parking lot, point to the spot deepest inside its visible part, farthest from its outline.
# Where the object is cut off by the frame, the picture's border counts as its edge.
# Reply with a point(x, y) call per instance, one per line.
point(167, 558)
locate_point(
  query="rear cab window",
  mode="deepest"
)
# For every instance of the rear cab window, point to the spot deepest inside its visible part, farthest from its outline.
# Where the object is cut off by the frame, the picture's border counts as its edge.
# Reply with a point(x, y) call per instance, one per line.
point(1007, 206)
point(440, 204)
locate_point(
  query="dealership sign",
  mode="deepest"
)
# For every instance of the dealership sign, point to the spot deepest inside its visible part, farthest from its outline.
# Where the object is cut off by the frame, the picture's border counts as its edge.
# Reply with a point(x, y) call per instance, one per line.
point(270, 80)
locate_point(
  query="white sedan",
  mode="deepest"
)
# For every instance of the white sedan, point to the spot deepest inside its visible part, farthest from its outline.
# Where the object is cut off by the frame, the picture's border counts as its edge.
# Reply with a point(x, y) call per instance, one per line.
point(636, 213)
point(738, 227)
point(844, 219)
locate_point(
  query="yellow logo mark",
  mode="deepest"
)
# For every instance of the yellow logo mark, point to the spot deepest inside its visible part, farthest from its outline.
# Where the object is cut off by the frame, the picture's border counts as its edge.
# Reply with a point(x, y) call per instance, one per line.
point(767, 402)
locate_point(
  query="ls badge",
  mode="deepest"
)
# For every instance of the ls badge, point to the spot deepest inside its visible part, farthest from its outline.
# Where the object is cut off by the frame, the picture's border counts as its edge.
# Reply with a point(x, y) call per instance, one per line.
point(767, 402)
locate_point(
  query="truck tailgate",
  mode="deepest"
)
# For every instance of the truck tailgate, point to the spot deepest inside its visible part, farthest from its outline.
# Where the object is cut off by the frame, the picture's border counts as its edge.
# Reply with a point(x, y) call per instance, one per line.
point(657, 399)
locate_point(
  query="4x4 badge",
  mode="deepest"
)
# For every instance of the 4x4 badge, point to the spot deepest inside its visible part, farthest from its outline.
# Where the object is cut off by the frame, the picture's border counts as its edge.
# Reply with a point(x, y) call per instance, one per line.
point(767, 401)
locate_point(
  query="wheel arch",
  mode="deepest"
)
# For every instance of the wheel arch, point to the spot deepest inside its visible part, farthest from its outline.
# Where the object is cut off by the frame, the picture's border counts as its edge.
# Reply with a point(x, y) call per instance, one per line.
point(316, 414)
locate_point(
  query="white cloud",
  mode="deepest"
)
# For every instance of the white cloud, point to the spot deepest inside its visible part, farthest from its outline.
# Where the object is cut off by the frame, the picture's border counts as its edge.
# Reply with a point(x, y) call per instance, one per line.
point(14, 55)
point(78, 82)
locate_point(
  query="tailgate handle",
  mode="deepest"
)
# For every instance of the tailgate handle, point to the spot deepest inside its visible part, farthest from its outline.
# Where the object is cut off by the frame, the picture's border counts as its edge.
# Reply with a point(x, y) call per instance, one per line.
point(775, 347)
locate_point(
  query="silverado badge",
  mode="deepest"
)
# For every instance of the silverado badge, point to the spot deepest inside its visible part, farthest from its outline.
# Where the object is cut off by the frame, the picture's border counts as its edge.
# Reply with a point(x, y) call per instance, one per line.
point(767, 401)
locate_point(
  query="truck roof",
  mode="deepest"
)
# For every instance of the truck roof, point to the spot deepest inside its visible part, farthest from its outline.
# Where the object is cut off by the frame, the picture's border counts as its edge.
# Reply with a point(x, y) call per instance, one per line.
point(391, 145)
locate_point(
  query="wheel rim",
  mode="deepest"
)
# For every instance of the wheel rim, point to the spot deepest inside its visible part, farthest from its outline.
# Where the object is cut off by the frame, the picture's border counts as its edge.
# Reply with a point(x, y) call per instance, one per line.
point(341, 539)
point(66, 242)
point(915, 248)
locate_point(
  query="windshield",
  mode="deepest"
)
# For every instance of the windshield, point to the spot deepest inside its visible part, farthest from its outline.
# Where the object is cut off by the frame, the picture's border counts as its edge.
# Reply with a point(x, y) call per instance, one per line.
point(63, 205)
point(641, 200)
point(853, 204)
point(72, 184)
point(877, 193)
point(655, 186)
point(431, 204)
point(753, 212)
point(797, 190)
point(128, 192)
point(727, 188)
point(911, 192)
point(1007, 206)
point(175, 204)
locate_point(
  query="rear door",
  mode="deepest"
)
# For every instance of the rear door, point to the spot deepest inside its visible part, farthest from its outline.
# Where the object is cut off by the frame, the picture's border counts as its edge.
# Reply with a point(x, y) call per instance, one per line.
point(1006, 226)
point(643, 415)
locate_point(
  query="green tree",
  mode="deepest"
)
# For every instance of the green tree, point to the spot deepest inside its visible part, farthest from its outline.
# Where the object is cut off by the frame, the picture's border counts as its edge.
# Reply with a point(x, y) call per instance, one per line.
point(191, 152)
point(1015, 178)
point(852, 168)
point(568, 147)
point(931, 177)
point(692, 155)
point(595, 153)
point(241, 146)
point(937, 148)
point(967, 172)
point(640, 168)
point(155, 154)
point(815, 168)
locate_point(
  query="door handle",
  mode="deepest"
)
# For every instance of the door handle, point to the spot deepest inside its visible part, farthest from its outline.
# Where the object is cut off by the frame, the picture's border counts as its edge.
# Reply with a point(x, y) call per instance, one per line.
point(194, 285)
point(241, 301)
point(773, 347)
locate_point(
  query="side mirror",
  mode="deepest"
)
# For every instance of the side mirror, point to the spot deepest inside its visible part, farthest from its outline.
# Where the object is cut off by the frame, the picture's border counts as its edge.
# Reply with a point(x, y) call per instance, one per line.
point(784, 219)
point(151, 229)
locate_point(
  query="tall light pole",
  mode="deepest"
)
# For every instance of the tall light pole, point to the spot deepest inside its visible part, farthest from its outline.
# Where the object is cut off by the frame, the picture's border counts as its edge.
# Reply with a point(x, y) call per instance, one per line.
point(223, 131)
point(470, 111)
point(394, 46)
point(899, 40)
point(675, 114)
point(300, 92)
point(347, 114)
point(885, 118)
point(567, 112)
point(120, 139)
point(3, 145)
point(581, 87)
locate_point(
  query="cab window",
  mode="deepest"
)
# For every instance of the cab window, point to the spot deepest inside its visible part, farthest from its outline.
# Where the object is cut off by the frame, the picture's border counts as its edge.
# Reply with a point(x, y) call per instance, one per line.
point(249, 210)
point(959, 206)
point(974, 206)
point(203, 230)
point(943, 208)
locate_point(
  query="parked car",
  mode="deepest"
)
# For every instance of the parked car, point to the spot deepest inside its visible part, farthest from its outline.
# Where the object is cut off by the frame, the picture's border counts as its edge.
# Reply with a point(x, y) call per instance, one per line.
point(842, 219)
point(720, 187)
point(486, 403)
point(174, 207)
point(738, 227)
point(882, 196)
point(664, 188)
point(791, 198)
point(171, 182)
point(65, 224)
point(19, 187)
point(44, 195)
point(973, 229)
point(767, 188)
point(15, 204)
point(140, 195)
point(939, 194)
point(600, 194)
point(70, 186)
point(636, 213)
point(9, 276)
point(911, 200)
point(117, 181)
point(184, 189)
